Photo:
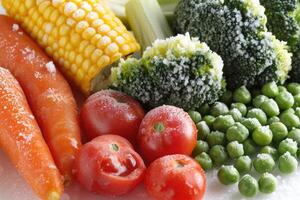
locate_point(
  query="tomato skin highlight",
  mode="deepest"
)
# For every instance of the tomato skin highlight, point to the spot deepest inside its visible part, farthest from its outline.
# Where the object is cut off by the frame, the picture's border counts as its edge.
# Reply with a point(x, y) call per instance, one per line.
point(109, 165)
point(175, 177)
point(166, 130)
point(111, 112)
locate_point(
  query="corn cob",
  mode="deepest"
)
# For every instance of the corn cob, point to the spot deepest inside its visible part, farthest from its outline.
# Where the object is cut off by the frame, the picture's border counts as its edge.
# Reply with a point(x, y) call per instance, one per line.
point(83, 36)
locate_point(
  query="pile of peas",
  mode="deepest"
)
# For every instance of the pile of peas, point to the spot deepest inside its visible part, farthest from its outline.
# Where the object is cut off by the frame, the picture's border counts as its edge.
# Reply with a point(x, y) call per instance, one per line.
point(253, 131)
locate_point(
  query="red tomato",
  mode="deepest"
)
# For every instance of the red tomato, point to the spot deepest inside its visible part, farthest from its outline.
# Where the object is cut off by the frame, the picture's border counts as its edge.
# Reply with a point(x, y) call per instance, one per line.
point(111, 112)
point(166, 130)
point(175, 177)
point(109, 165)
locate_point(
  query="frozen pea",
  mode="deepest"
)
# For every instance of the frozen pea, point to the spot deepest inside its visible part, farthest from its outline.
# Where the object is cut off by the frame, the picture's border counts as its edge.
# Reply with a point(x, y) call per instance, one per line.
point(223, 122)
point(269, 150)
point(264, 163)
point(236, 114)
point(209, 119)
point(282, 89)
point(242, 95)
point(258, 114)
point(215, 138)
point(201, 146)
point(228, 175)
point(284, 100)
point(227, 97)
point(237, 132)
point(262, 136)
point(218, 155)
point(290, 120)
point(248, 186)
point(243, 164)
point(251, 124)
point(287, 163)
point(270, 107)
point(294, 88)
point(279, 131)
point(297, 111)
point(218, 109)
point(196, 116)
point(270, 89)
point(297, 100)
point(267, 183)
point(241, 107)
point(204, 160)
point(203, 130)
point(235, 149)
point(295, 135)
point(257, 101)
point(249, 147)
point(204, 109)
point(287, 145)
point(273, 119)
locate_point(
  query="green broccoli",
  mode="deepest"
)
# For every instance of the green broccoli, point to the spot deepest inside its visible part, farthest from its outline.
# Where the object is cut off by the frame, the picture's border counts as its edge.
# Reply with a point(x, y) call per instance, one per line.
point(178, 71)
point(236, 30)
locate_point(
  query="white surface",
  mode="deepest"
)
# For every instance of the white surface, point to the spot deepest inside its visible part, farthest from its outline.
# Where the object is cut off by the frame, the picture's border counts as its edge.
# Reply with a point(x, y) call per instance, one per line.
point(13, 187)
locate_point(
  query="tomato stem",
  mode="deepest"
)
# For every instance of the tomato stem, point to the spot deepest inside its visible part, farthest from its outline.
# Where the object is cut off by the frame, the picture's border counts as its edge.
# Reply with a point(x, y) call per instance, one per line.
point(115, 147)
point(159, 127)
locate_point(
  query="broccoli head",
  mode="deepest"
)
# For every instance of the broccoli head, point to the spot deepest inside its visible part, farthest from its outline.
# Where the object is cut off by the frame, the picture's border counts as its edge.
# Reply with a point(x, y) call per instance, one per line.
point(179, 71)
point(295, 73)
point(236, 30)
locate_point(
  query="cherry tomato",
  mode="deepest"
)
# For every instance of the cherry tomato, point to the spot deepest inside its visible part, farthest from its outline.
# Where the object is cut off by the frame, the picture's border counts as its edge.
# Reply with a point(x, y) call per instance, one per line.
point(166, 130)
point(111, 112)
point(175, 177)
point(109, 165)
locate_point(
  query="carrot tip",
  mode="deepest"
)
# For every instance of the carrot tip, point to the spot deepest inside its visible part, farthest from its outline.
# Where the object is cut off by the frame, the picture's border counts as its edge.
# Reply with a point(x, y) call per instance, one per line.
point(54, 196)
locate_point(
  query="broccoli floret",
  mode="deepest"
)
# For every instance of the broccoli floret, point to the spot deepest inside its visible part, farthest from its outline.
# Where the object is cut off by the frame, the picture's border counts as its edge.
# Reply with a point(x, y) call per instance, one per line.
point(281, 19)
point(295, 73)
point(178, 71)
point(236, 30)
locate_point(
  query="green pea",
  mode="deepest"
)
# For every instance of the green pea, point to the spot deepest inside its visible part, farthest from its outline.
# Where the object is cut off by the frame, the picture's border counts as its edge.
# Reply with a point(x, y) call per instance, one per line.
point(218, 109)
point(236, 114)
point(264, 163)
point(248, 186)
point(297, 112)
point(282, 89)
point(287, 145)
point(258, 114)
point(237, 132)
point(201, 146)
point(209, 120)
point(235, 149)
point(223, 122)
point(270, 89)
point(215, 137)
point(294, 88)
point(273, 119)
point(269, 150)
point(251, 124)
point(243, 164)
point(204, 160)
point(295, 135)
point(227, 97)
point(241, 107)
point(242, 95)
point(297, 100)
point(218, 155)
point(290, 110)
point(267, 183)
point(196, 116)
point(270, 107)
point(290, 120)
point(228, 175)
point(287, 163)
point(249, 147)
point(262, 136)
point(257, 101)
point(279, 131)
point(204, 109)
point(284, 100)
point(203, 130)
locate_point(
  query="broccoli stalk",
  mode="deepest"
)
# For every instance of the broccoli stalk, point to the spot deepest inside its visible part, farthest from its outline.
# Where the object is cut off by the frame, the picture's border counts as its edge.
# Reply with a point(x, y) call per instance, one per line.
point(178, 71)
point(236, 30)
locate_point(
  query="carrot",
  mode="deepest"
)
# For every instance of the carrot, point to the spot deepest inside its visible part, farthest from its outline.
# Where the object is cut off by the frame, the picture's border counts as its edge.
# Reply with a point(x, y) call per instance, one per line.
point(48, 93)
point(22, 140)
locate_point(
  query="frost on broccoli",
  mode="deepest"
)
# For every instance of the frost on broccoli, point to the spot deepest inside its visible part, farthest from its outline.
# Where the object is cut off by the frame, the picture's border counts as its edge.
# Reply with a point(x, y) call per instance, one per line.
point(178, 71)
point(236, 30)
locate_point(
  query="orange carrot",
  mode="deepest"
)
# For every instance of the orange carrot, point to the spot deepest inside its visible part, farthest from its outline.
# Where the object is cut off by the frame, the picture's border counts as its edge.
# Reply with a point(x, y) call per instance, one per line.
point(22, 140)
point(48, 93)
